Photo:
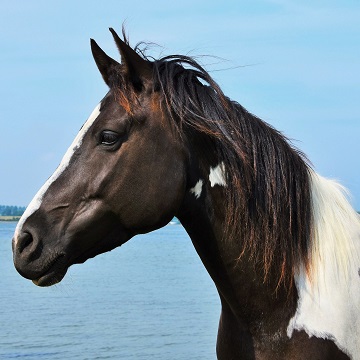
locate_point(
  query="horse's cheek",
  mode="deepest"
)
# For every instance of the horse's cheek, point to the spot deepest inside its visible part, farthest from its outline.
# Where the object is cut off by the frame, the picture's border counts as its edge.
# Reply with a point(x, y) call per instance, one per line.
point(151, 195)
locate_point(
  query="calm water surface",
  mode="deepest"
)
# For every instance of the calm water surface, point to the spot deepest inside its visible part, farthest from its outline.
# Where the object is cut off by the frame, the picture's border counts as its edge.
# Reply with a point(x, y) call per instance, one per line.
point(149, 299)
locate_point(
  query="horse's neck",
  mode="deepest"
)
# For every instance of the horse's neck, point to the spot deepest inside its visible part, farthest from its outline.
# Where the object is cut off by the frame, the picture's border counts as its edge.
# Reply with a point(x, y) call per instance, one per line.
point(204, 230)
point(253, 303)
point(239, 282)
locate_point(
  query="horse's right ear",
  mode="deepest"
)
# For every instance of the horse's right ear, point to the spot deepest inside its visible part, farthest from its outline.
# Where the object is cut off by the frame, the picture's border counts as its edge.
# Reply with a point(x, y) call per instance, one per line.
point(106, 65)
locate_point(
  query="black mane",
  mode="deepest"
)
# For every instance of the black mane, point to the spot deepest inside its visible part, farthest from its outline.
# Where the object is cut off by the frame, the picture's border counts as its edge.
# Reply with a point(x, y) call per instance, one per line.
point(269, 198)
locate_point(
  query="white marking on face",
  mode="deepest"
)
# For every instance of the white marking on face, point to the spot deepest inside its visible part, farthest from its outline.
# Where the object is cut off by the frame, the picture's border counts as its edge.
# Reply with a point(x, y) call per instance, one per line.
point(329, 301)
point(197, 189)
point(217, 175)
point(36, 201)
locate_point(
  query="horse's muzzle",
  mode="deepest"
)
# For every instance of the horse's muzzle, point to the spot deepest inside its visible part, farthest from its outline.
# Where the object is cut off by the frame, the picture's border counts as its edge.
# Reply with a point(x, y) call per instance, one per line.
point(33, 263)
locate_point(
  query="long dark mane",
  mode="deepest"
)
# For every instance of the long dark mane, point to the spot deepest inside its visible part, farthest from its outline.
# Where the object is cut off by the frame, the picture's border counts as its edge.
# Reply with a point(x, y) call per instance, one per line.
point(268, 206)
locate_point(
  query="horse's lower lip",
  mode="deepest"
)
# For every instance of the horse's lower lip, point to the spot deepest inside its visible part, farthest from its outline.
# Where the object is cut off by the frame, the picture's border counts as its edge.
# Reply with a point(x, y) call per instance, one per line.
point(54, 273)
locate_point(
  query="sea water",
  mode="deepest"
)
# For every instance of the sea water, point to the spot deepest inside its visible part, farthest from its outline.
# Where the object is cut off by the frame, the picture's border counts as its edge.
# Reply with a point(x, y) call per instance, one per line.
point(149, 299)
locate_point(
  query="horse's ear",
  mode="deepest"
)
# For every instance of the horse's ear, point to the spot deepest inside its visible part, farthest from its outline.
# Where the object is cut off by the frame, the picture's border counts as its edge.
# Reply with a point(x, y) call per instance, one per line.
point(137, 68)
point(105, 63)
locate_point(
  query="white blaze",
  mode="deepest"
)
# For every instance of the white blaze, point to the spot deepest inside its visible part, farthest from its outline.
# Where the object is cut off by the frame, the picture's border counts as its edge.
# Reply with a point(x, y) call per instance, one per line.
point(329, 301)
point(36, 201)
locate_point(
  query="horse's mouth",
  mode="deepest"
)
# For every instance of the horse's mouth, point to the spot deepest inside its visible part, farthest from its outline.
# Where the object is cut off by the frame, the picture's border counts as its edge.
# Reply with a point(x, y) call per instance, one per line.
point(53, 272)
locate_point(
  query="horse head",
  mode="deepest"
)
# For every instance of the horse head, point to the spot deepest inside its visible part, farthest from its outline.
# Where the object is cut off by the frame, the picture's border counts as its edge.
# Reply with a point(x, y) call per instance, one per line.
point(111, 184)
point(280, 242)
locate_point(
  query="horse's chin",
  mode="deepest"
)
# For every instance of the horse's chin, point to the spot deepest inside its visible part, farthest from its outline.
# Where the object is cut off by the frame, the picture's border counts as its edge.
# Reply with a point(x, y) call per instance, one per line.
point(50, 279)
point(54, 274)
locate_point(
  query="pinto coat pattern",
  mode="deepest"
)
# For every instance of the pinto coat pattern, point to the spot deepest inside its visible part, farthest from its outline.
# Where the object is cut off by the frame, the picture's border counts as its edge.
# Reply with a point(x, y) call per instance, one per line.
point(281, 243)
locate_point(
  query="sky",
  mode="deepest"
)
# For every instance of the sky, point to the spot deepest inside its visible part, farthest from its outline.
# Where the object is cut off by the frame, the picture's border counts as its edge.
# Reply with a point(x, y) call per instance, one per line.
point(295, 64)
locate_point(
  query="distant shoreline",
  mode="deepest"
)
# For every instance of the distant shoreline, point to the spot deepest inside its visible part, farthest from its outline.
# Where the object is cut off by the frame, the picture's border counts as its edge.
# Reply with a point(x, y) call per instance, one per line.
point(9, 218)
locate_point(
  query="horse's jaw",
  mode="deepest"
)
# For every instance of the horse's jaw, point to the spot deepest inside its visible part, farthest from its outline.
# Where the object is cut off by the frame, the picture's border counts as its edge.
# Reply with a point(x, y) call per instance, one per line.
point(45, 267)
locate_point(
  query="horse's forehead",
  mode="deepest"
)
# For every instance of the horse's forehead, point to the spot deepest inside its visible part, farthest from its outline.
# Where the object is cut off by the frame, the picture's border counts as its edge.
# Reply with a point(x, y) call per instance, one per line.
point(88, 123)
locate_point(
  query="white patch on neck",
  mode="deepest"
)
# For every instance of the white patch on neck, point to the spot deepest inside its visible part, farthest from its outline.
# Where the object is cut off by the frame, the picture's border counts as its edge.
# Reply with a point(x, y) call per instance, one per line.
point(329, 301)
point(36, 201)
point(197, 189)
point(217, 175)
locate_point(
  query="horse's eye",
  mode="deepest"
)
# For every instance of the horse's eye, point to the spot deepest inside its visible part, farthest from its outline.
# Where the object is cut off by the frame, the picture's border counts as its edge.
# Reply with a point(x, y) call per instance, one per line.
point(108, 137)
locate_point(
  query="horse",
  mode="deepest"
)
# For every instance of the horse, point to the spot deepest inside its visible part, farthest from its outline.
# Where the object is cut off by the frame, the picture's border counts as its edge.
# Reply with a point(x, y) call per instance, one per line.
point(280, 242)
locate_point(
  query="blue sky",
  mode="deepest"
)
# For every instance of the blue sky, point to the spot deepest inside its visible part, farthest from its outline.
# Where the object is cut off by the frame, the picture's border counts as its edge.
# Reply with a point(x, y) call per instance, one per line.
point(296, 64)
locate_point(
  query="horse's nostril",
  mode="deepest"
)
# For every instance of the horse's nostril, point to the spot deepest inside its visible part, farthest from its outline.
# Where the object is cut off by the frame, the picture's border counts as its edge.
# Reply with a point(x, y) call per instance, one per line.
point(24, 242)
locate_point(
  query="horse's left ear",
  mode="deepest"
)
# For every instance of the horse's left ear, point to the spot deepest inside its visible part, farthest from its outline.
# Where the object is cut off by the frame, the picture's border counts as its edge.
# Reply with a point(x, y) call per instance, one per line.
point(138, 69)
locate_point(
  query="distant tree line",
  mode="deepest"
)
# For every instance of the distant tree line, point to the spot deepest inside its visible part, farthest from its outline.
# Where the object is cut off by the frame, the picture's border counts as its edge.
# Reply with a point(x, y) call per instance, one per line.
point(6, 210)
